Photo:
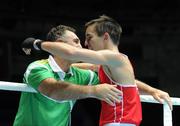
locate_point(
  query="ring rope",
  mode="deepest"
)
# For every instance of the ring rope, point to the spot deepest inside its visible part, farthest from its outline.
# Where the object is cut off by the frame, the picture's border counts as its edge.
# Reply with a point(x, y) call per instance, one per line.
point(167, 113)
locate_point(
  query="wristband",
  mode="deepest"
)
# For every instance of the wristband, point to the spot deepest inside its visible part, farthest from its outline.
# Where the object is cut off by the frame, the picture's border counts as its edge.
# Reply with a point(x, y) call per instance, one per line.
point(37, 44)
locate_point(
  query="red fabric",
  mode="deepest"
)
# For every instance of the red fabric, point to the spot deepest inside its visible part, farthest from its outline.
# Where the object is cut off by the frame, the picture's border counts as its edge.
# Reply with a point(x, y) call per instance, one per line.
point(127, 111)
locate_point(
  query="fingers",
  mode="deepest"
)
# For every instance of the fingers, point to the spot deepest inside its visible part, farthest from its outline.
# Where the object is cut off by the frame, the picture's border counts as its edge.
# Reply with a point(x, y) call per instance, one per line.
point(112, 100)
point(114, 95)
point(164, 98)
point(108, 93)
point(159, 99)
point(107, 100)
point(115, 98)
point(115, 90)
point(169, 102)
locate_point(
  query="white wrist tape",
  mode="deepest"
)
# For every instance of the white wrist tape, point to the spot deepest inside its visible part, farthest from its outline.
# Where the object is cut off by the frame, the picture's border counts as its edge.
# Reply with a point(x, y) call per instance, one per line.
point(34, 44)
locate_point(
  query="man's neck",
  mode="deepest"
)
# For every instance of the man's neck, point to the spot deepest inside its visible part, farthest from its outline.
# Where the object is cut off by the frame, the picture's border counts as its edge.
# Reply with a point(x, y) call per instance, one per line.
point(113, 48)
point(62, 63)
point(110, 46)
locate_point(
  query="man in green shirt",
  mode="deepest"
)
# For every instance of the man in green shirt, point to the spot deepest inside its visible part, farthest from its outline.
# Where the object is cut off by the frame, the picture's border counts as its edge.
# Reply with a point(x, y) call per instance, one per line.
point(58, 85)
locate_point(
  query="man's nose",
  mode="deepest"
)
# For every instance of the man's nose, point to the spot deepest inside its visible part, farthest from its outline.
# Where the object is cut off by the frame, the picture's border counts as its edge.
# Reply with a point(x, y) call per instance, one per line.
point(86, 43)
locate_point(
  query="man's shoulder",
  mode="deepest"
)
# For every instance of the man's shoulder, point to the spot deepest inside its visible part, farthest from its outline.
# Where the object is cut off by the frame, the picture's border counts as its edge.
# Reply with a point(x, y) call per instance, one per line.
point(43, 63)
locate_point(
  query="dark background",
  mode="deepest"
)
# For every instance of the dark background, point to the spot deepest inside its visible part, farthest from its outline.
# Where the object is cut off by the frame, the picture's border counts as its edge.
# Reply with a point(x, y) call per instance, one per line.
point(151, 34)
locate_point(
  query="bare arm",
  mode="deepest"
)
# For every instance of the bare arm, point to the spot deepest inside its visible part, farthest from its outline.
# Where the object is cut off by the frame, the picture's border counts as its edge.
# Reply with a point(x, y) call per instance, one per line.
point(159, 95)
point(104, 57)
point(60, 90)
point(66, 51)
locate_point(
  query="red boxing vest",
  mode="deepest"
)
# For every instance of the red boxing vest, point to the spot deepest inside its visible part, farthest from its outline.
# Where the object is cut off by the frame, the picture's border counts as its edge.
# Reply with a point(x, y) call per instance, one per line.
point(127, 111)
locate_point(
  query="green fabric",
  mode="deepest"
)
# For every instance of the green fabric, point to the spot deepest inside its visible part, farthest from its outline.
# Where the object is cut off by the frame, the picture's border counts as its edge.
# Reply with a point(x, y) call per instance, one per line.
point(36, 109)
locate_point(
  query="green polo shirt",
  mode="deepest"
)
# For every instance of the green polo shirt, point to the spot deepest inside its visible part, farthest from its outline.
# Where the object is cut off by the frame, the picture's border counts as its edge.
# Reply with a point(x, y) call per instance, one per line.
point(35, 109)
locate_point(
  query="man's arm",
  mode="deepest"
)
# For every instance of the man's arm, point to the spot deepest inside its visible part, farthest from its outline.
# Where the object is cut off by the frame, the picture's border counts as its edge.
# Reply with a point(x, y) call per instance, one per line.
point(66, 51)
point(103, 57)
point(159, 95)
point(60, 90)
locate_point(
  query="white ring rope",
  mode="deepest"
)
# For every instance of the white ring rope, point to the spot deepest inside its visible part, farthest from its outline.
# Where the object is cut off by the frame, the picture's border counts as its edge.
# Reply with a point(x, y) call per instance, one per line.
point(13, 86)
point(167, 113)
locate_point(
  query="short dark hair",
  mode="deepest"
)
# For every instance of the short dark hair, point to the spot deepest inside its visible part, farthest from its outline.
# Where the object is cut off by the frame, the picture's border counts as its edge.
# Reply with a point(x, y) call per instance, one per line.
point(58, 31)
point(106, 24)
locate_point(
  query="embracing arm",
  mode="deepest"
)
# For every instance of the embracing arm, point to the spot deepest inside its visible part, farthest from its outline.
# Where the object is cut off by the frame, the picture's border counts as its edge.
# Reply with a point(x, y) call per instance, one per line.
point(103, 57)
point(159, 95)
point(66, 51)
point(60, 90)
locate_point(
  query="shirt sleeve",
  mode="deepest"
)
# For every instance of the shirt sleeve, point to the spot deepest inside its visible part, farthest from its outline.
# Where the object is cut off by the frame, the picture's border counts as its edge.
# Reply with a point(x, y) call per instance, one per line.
point(93, 78)
point(85, 77)
point(34, 75)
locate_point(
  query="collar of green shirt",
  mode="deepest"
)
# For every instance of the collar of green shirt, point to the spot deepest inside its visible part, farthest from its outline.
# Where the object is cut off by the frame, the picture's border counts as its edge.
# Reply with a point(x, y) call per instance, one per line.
point(56, 68)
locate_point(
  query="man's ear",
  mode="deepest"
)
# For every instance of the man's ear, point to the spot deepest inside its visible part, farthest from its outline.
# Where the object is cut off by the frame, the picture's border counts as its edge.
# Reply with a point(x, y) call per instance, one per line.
point(106, 36)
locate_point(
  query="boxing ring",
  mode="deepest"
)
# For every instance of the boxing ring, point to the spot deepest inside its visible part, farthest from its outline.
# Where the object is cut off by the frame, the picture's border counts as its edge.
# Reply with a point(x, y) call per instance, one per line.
point(167, 113)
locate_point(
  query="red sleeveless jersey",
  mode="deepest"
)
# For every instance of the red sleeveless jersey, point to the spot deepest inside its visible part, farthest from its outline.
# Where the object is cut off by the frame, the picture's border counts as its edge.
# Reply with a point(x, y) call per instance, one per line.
point(127, 111)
